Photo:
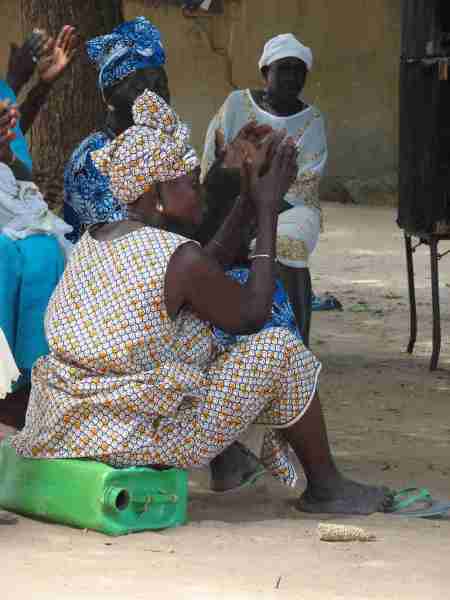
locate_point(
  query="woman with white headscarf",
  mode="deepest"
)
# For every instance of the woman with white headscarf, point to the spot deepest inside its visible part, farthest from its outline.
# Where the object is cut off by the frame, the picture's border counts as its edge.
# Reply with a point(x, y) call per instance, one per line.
point(284, 64)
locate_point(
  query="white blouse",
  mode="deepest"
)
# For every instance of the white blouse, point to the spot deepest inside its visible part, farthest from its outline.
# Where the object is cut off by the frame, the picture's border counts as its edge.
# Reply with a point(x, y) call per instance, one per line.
point(307, 128)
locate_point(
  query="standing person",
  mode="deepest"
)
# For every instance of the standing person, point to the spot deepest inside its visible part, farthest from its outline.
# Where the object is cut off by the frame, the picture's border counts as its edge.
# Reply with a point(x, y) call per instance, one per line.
point(130, 60)
point(284, 65)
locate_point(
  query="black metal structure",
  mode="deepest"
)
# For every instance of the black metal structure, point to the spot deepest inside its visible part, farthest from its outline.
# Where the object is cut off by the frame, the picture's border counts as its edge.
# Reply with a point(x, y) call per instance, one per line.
point(424, 206)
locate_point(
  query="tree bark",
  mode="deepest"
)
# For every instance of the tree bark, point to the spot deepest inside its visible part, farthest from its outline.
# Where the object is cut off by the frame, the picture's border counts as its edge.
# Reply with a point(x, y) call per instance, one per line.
point(74, 108)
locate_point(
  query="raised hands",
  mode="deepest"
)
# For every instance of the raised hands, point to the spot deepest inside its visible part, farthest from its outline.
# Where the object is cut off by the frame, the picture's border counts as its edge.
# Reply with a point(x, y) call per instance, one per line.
point(244, 146)
point(23, 59)
point(266, 180)
point(58, 54)
point(50, 56)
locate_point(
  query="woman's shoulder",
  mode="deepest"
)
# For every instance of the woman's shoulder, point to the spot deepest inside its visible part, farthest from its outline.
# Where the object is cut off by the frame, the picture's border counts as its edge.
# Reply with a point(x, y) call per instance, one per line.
point(144, 242)
point(236, 97)
point(154, 239)
point(315, 112)
point(81, 154)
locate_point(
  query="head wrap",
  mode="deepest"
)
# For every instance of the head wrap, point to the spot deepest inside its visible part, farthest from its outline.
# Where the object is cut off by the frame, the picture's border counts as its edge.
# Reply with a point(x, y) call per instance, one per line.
point(156, 149)
point(131, 46)
point(285, 45)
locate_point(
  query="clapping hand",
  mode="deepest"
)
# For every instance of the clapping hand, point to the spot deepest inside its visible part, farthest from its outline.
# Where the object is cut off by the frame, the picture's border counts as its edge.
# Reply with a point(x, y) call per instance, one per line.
point(245, 145)
point(23, 59)
point(266, 187)
point(57, 55)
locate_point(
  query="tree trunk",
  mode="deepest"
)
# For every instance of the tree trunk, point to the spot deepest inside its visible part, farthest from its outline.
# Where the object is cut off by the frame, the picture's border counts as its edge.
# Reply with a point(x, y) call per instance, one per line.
point(74, 108)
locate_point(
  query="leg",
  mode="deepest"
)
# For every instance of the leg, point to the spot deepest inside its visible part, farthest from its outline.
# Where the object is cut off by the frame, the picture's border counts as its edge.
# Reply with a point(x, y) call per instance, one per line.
point(436, 307)
point(412, 294)
point(327, 490)
point(298, 286)
point(14, 407)
point(234, 468)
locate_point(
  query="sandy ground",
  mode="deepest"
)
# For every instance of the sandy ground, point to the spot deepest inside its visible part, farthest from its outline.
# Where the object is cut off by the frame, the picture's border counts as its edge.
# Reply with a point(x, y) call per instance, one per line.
point(389, 421)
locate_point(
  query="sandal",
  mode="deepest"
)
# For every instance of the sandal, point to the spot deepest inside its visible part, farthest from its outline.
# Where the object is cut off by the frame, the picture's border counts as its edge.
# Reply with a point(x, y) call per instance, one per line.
point(405, 499)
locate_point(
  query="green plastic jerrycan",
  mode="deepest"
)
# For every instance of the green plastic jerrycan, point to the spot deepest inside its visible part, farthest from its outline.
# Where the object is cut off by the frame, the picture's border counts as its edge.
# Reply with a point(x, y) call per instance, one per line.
point(92, 495)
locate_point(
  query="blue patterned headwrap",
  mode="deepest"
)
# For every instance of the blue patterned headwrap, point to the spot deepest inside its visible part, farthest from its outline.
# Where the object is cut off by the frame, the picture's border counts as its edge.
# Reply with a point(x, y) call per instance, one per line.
point(131, 46)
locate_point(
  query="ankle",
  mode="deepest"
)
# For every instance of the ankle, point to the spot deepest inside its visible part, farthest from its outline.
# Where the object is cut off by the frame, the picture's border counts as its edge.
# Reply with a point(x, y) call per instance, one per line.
point(324, 483)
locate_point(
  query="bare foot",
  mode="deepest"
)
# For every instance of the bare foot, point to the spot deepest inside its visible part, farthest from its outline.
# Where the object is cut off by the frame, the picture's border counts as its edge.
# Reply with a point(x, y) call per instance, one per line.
point(235, 468)
point(346, 497)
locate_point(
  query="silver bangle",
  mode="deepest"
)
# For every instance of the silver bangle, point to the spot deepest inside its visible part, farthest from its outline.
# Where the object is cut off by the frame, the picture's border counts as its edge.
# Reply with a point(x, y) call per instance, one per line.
point(261, 256)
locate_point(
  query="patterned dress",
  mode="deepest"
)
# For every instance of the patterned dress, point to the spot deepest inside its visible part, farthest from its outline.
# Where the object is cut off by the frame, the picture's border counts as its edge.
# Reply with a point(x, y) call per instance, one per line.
point(126, 385)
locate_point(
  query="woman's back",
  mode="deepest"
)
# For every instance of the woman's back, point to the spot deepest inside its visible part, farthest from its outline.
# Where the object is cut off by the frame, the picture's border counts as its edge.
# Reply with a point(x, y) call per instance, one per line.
point(116, 359)
point(108, 313)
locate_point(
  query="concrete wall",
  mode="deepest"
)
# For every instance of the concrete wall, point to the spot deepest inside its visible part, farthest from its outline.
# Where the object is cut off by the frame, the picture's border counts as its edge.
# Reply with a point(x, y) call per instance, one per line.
point(355, 79)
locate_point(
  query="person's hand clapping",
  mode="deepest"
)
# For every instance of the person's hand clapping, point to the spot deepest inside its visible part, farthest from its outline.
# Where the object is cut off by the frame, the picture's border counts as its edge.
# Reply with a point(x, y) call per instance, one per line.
point(243, 147)
point(57, 55)
point(24, 59)
point(267, 187)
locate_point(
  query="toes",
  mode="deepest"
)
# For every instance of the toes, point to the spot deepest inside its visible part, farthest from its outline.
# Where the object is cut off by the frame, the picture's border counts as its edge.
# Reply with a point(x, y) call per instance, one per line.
point(388, 500)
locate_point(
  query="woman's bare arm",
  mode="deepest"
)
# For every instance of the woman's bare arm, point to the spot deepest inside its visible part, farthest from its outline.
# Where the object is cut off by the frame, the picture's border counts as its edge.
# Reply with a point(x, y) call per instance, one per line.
point(196, 279)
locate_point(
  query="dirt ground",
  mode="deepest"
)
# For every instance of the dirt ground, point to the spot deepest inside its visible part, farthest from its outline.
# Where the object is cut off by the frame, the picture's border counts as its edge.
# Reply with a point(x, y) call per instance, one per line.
point(389, 421)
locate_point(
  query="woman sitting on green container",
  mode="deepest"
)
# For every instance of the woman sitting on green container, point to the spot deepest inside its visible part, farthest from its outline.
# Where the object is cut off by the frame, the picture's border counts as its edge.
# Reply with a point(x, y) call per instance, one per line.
point(135, 375)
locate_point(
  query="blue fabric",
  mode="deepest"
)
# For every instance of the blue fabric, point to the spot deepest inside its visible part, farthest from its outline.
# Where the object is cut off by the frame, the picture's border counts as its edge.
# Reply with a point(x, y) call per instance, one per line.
point(29, 272)
point(325, 302)
point(19, 146)
point(282, 314)
point(87, 195)
point(131, 46)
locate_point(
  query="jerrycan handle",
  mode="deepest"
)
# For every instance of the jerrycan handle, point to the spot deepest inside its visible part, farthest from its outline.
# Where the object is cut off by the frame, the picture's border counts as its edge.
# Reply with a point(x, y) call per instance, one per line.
point(142, 501)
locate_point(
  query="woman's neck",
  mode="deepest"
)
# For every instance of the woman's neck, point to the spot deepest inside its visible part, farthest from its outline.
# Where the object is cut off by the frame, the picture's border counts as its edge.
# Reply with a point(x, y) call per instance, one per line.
point(160, 222)
point(276, 106)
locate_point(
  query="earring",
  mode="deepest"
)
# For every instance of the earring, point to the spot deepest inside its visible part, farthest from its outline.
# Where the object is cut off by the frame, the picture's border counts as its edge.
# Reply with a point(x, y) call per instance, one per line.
point(110, 107)
point(160, 208)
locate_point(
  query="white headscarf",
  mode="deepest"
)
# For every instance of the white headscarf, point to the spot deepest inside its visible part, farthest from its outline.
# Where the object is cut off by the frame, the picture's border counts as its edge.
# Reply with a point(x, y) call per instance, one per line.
point(285, 45)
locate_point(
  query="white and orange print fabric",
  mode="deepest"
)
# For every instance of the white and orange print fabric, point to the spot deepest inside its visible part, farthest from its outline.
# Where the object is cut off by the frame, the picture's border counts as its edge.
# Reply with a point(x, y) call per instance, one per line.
point(126, 385)
point(156, 149)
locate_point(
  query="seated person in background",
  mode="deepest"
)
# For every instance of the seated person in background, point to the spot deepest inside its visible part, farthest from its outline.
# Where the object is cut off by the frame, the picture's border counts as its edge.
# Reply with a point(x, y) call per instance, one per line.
point(32, 258)
point(135, 375)
point(284, 65)
point(130, 60)
point(32, 244)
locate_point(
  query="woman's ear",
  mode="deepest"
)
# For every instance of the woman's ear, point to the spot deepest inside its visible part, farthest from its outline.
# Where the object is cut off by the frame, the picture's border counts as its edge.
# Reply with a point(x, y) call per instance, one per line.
point(264, 72)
